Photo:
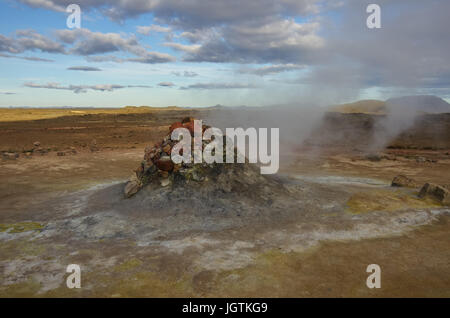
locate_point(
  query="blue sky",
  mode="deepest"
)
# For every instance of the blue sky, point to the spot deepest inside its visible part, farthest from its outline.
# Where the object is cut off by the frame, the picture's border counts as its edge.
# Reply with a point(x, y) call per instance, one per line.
point(203, 53)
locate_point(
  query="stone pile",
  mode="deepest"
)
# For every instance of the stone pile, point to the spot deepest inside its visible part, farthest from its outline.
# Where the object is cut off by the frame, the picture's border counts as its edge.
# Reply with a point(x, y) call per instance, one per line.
point(158, 166)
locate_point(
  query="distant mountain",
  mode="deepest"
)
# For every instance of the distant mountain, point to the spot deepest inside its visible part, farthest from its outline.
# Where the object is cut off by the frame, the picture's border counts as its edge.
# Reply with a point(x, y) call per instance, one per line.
point(417, 103)
point(369, 106)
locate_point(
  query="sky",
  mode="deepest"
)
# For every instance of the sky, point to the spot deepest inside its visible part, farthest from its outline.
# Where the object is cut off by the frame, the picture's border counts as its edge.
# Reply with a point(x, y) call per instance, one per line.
point(198, 53)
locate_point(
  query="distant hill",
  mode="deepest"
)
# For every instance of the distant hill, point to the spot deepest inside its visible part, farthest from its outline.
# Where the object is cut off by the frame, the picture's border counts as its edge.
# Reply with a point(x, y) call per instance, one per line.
point(419, 103)
point(369, 106)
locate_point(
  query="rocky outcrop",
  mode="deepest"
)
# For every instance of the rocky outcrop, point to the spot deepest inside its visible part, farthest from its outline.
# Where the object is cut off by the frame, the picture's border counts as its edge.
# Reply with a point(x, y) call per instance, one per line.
point(403, 181)
point(159, 168)
point(436, 192)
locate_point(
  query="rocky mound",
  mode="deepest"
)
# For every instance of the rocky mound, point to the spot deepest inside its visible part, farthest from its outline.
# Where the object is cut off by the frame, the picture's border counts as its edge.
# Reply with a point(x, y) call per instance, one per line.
point(236, 188)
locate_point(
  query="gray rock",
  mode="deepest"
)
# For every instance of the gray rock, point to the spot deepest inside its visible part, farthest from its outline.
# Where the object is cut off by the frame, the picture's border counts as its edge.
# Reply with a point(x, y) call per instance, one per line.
point(132, 187)
point(435, 191)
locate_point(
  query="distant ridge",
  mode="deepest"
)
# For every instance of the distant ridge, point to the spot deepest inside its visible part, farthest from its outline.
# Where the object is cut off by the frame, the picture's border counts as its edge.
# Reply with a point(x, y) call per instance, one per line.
point(417, 103)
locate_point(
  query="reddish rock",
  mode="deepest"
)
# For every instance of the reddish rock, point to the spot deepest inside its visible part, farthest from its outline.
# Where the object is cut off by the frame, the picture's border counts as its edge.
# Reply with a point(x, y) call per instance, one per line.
point(164, 163)
point(175, 126)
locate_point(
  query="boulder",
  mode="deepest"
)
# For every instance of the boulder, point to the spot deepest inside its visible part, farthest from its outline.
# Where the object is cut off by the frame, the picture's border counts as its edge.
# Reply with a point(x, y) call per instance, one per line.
point(403, 181)
point(436, 192)
point(164, 163)
point(10, 155)
point(165, 182)
point(132, 187)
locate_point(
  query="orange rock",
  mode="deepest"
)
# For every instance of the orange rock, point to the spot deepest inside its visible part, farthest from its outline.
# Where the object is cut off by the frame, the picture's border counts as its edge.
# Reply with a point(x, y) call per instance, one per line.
point(175, 126)
point(164, 164)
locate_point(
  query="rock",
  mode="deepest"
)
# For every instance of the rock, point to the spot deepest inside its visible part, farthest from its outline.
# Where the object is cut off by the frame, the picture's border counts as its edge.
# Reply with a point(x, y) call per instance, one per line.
point(41, 151)
point(164, 163)
point(167, 149)
point(36, 144)
point(187, 120)
point(10, 155)
point(373, 157)
point(28, 155)
point(61, 153)
point(176, 168)
point(435, 191)
point(403, 181)
point(163, 174)
point(165, 182)
point(421, 159)
point(175, 126)
point(132, 187)
point(93, 146)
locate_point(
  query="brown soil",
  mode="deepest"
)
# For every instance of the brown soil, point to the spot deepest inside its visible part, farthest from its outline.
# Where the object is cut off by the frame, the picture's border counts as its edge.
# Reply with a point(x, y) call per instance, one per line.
point(414, 263)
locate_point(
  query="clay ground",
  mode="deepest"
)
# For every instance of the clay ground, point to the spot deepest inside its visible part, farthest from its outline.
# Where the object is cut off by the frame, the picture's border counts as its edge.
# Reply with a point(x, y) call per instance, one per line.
point(262, 262)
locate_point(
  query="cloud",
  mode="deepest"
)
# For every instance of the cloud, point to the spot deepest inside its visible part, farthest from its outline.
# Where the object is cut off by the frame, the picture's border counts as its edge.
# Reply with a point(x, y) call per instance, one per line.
point(192, 13)
point(281, 41)
point(406, 55)
point(166, 84)
point(192, 48)
point(146, 30)
point(29, 40)
point(185, 74)
point(271, 69)
point(218, 86)
point(83, 88)
point(27, 58)
point(330, 38)
point(87, 43)
point(84, 68)
point(260, 31)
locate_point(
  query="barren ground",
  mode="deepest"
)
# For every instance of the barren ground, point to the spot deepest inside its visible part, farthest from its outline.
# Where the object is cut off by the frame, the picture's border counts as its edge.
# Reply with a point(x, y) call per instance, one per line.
point(360, 220)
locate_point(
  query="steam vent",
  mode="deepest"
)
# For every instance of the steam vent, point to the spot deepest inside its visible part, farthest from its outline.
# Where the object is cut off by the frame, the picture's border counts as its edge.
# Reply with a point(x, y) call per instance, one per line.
point(237, 188)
